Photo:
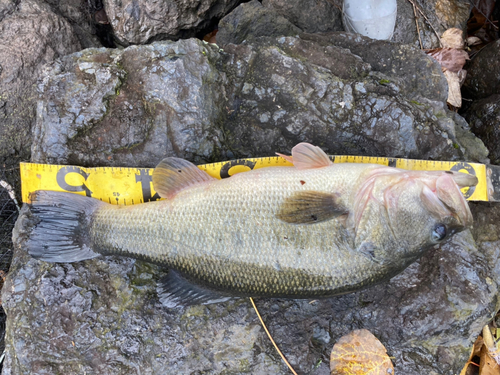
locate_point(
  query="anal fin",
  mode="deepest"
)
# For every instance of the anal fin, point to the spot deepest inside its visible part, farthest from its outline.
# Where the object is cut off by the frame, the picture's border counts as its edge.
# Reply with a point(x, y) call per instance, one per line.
point(175, 291)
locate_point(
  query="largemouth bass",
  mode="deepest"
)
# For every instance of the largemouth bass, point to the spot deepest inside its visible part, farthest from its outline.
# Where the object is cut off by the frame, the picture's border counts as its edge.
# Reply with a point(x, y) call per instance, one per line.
point(317, 229)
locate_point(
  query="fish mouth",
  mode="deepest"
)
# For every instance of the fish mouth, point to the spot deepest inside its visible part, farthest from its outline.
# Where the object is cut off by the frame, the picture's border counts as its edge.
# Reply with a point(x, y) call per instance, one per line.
point(463, 179)
point(444, 198)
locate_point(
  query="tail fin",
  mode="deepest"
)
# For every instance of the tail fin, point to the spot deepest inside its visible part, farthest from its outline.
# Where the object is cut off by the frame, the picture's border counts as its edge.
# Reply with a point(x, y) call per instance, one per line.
point(60, 226)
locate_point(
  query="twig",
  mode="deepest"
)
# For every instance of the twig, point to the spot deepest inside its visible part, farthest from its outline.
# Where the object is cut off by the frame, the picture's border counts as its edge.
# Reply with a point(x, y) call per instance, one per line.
point(418, 28)
point(429, 22)
point(270, 338)
point(484, 15)
point(474, 53)
point(334, 3)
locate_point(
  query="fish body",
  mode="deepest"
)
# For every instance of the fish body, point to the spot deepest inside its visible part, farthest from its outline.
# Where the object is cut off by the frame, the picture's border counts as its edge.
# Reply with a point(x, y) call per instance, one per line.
point(314, 230)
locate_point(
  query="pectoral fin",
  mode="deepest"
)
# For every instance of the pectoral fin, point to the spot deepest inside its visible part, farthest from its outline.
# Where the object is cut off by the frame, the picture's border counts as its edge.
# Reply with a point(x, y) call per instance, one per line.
point(369, 250)
point(175, 291)
point(310, 207)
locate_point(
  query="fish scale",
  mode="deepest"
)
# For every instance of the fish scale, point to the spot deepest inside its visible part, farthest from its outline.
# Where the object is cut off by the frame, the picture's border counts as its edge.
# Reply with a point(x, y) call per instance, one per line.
point(219, 237)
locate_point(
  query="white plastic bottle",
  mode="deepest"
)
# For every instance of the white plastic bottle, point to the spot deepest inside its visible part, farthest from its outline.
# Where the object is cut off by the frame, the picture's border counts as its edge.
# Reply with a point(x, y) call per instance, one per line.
point(373, 18)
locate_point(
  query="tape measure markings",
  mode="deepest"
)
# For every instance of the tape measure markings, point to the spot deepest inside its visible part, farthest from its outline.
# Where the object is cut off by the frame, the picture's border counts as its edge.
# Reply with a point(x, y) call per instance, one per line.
point(122, 185)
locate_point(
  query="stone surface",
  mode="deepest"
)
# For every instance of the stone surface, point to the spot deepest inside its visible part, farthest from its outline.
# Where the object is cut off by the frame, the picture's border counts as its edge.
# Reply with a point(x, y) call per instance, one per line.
point(407, 66)
point(31, 35)
point(134, 106)
point(80, 15)
point(404, 63)
point(318, 16)
point(312, 89)
point(484, 119)
point(142, 21)
point(441, 14)
point(251, 20)
point(188, 99)
point(483, 76)
point(311, 16)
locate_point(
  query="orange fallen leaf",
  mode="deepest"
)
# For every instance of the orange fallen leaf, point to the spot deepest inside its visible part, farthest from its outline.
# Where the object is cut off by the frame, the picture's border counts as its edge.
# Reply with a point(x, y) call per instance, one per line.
point(360, 353)
point(487, 365)
point(211, 37)
point(490, 357)
point(475, 352)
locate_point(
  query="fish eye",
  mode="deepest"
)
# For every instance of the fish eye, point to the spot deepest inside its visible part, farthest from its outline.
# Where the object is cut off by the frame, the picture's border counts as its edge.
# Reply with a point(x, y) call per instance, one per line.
point(439, 233)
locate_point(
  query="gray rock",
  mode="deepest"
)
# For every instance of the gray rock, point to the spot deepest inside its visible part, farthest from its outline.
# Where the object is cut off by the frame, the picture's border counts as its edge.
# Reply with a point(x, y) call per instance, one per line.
point(7, 7)
point(483, 75)
point(319, 16)
point(133, 106)
point(483, 117)
point(31, 35)
point(79, 15)
point(311, 16)
point(251, 20)
point(442, 15)
point(406, 64)
point(417, 74)
point(187, 98)
point(142, 21)
point(298, 89)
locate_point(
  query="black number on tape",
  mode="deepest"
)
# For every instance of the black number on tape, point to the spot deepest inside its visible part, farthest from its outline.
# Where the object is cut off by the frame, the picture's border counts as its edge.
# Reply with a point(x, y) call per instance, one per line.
point(224, 171)
point(61, 180)
point(146, 179)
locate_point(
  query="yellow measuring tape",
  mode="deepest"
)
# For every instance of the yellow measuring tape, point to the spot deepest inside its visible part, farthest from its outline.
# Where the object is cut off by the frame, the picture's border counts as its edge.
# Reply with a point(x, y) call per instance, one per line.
point(134, 185)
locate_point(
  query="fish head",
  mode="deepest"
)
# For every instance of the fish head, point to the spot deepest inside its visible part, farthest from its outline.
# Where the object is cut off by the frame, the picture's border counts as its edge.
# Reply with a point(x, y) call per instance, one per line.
point(400, 214)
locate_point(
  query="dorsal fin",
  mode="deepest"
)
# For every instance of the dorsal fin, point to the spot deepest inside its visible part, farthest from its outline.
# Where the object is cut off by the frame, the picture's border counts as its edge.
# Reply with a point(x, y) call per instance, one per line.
point(174, 174)
point(307, 156)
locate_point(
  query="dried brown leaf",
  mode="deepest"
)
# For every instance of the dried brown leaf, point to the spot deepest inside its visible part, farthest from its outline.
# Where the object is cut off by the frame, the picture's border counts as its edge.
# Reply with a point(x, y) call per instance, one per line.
point(488, 339)
point(452, 38)
point(449, 58)
point(487, 365)
point(454, 94)
point(211, 37)
point(477, 346)
point(491, 344)
point(475, 352)
point(462, 74)
point(473, 41)
point(482, 23)
point(360, 353)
